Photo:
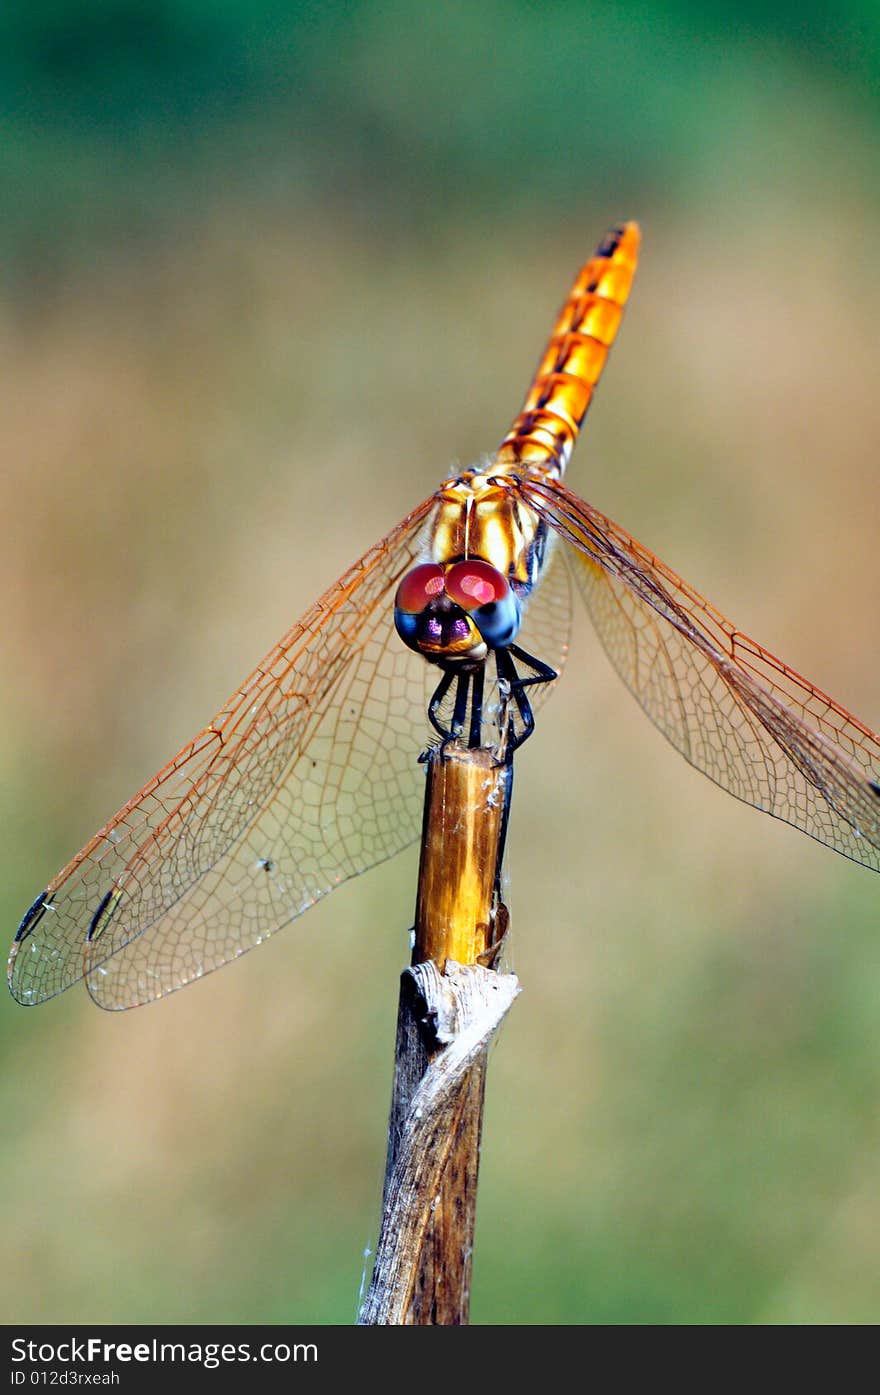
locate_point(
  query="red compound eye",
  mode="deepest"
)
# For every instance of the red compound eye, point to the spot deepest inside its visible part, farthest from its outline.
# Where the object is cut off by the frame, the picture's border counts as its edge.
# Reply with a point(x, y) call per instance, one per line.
point(419, 587)
point(473, 584)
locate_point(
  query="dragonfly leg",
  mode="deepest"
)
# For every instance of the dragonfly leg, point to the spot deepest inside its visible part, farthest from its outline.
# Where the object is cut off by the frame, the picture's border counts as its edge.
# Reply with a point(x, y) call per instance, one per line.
point(468, 710)
point(541, 672)
point(476, 731)
point(509, 677)
point(463, 678)
point(459, 712)
point(434, 705)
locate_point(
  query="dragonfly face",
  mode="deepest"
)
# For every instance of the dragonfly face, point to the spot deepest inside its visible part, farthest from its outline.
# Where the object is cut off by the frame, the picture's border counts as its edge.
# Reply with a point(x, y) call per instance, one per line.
point(454, 615)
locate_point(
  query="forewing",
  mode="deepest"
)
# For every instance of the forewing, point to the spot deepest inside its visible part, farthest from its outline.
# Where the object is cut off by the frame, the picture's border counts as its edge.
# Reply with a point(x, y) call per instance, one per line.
point(546, 625)
point(732, 709)
point(308, 776)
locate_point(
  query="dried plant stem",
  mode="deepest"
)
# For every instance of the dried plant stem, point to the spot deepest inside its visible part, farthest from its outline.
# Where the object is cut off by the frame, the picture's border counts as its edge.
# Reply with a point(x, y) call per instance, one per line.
point(422, 1269)
point(450, 1006)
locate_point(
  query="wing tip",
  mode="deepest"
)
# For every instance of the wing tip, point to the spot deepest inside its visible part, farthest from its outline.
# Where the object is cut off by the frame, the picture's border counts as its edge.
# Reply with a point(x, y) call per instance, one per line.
point(29, 921)
point(31, 917)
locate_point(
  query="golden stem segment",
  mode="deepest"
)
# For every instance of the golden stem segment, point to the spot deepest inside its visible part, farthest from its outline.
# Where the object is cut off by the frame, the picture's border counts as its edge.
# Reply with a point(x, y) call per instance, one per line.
point(464, 816)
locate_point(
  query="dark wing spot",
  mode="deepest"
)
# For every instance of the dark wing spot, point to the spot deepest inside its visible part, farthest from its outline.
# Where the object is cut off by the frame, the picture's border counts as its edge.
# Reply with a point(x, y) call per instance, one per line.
point(874, 786)
point(97, 916)
point(31, 917)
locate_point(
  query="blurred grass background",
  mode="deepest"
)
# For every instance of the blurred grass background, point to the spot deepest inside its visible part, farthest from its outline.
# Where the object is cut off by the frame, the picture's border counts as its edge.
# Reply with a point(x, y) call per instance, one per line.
point(269, 271)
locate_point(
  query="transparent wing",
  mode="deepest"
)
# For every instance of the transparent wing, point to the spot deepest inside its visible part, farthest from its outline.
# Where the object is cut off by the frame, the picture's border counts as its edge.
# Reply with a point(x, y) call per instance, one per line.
point(546, 625)
point(732, 709)
point(307, 777)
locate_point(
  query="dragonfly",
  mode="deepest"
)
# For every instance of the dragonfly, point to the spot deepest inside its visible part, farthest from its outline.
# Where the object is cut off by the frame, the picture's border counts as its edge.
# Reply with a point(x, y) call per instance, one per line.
point(452, 628)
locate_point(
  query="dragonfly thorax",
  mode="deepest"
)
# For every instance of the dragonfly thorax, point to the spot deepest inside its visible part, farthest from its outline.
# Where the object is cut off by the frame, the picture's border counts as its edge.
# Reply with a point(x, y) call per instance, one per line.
point(455, 614)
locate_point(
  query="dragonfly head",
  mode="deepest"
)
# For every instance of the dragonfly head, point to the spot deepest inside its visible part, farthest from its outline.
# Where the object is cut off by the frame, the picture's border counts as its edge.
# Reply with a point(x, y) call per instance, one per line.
point(456, 613)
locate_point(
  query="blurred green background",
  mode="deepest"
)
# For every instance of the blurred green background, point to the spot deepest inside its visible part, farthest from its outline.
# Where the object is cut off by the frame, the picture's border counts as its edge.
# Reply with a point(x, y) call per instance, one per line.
point(270, 270)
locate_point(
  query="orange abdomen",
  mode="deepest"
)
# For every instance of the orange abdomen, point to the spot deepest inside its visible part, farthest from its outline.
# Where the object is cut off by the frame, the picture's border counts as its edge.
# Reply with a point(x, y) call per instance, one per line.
point(546, 429)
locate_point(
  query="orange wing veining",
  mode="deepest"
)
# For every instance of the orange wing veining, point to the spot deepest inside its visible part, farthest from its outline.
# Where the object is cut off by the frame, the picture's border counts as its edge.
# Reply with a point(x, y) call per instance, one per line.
point(737, 713)
point(303, 779)
point(546, 429)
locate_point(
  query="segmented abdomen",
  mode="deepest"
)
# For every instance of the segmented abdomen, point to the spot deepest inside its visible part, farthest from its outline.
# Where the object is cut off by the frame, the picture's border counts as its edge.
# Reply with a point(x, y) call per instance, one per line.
point(546, 429)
